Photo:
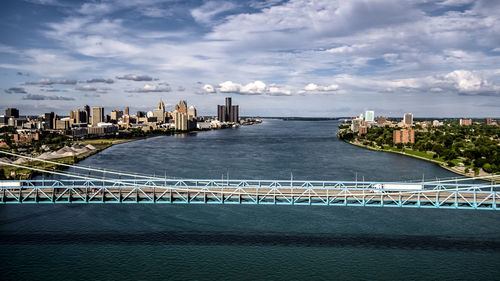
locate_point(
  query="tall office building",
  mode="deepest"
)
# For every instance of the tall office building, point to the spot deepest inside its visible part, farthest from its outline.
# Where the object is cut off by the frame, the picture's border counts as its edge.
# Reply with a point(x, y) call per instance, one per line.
point(221, 113)
point(77, 117)
point(369, 116)
point(408, 119)
point(192, 112)
point(228, 112)
point(183, 106)
point(127, 110)
point(50, 120)
point(181, 121)
point(116, 115)
point(234, 114)
point(12, 112)
point(97, 116)
point(161, 105)
point(86, 108)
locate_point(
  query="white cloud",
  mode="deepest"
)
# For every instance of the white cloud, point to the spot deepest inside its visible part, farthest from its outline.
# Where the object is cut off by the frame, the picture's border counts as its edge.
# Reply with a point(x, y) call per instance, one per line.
point(149, 88)
point(208, 11)
point(254, 88)
point(314, 87)
point(465, 80)
point(209, 88)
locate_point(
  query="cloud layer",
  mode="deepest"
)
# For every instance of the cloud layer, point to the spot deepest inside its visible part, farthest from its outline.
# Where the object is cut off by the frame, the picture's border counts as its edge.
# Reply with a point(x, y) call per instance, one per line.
point(323, 51)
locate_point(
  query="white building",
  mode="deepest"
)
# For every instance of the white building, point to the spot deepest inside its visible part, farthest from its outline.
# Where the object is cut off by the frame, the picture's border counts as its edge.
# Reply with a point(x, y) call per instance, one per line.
point(369, 116)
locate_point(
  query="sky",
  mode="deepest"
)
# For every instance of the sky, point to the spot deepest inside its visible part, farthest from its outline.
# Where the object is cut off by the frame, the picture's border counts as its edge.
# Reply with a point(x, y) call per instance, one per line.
point(313, 58)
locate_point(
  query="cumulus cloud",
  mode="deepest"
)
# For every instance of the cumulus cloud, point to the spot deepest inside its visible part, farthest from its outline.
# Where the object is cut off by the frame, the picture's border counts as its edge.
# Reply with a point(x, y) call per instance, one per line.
point(275, 90)
point(462, 82)
point(15, 90)
point(209, 88)
point(252, 88)
point(135, 77)
point(313, 87)
point(100, 80)
point(51, 82)
point(466, 81)
point(151, 89)
point(43, 97)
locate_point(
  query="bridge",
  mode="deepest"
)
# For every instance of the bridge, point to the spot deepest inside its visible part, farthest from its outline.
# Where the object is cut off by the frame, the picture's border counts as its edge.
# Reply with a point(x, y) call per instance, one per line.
point(123, 187)
point(257, 192)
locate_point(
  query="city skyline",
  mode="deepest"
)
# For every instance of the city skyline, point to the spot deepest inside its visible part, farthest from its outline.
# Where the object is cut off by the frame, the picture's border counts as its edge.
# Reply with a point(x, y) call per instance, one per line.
point(435, 59)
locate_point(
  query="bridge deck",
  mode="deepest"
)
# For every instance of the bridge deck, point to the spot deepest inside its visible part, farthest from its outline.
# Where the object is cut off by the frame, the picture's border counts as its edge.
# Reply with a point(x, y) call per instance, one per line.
point(435, 195)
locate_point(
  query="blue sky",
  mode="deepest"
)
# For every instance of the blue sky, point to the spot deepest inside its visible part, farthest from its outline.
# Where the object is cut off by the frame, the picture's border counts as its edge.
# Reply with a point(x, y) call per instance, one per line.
point(275, 58)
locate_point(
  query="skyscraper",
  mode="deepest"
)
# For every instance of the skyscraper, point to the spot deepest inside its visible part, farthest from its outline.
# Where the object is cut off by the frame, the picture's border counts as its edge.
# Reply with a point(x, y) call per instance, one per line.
point(159, 113)
point(116, 115)
point(221, 113)
point(126, 110)
point(369, 116)
point(161, 105)
point(97, 115)
point(408, 119)
point(49, 120)
point(182, 106)
point(228, 112)
point(86, 108)
point(77, 117)
point(191, 112)
point(12, 112)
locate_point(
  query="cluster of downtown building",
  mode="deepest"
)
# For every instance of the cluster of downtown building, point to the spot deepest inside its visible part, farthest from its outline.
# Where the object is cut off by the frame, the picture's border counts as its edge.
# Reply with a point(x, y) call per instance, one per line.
point(93, 122)
point(404, 132)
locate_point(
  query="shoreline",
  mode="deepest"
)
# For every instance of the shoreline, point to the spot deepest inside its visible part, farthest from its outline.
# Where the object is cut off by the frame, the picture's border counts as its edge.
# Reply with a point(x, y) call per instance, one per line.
point(99, 144)
point(439, 163)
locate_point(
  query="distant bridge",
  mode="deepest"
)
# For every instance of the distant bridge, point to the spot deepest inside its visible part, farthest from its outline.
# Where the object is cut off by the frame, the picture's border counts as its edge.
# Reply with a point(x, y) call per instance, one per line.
point(254, 192)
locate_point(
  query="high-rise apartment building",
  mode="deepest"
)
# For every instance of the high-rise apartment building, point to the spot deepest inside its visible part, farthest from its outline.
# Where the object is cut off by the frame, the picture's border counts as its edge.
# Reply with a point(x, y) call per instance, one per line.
point(228, 112)
point(97, 116)
point(408, 119)
point(369, 116)
point(465, 122)
point(404, 136)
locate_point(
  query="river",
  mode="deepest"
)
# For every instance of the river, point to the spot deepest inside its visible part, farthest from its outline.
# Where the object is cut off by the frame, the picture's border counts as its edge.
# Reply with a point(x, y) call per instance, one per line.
point(197, 242)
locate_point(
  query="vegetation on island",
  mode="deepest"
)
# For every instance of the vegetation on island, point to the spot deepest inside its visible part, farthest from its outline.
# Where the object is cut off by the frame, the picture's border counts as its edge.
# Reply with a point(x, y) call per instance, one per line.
point(474, 148)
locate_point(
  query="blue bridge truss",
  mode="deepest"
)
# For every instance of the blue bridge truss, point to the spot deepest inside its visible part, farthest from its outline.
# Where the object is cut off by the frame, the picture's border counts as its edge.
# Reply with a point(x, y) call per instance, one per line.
point(256, 192)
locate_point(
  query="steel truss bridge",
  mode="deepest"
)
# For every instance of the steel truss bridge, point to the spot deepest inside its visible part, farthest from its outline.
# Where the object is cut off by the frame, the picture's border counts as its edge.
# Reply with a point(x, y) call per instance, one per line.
point(256, 192)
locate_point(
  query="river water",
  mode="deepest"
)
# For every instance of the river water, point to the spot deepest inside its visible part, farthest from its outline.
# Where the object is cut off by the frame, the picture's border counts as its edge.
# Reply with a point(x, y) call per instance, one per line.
point(197, 242)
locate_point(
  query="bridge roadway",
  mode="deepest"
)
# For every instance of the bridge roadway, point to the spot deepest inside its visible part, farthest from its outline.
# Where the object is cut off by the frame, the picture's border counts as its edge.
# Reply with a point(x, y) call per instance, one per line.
point(265, 192)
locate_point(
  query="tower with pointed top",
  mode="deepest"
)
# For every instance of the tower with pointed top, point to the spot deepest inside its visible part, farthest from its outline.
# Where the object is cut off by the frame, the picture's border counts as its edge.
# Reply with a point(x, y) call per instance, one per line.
point(161, 105)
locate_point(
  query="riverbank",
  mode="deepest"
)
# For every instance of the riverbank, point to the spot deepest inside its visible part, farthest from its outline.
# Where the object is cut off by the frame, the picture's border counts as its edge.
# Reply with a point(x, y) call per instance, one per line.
point(94, 145)
point(429, 158)
point(97, 145)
